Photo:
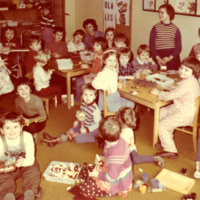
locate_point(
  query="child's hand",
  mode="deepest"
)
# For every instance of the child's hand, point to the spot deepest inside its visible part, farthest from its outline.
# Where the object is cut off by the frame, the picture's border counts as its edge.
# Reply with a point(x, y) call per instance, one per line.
point(19, 162)
point(12, 45)
point(75, 123)
point(26, 120)
point(55, 55)
point(151, 61)
point(155, 91)
point(83, 130)
point(50, 71)
point(84, 66)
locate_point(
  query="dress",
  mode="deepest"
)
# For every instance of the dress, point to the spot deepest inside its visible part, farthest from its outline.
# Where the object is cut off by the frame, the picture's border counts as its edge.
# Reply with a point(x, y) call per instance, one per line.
point(126, 71)
point(87, 40)
point(59, 47)
point(165, 40)
point(29, 171)
point(180, 113)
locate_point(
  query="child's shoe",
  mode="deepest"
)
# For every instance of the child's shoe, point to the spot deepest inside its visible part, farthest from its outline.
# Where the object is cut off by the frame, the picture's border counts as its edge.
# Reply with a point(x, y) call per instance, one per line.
point(197, 172)
point(29, 195)
point(46, 136)
point(159, 161)
point(9, 196)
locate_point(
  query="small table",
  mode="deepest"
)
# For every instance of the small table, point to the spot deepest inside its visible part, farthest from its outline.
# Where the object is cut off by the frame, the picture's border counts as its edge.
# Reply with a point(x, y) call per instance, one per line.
point(147, 99)
point(68, 73)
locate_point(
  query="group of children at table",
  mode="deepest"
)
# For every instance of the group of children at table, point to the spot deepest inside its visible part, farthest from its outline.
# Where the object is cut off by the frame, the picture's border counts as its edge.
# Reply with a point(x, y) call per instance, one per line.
point(115, 175)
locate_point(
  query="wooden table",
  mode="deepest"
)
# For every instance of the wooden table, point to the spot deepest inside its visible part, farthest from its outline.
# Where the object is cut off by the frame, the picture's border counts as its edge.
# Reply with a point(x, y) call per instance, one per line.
point(68, 73)
point(147, 99)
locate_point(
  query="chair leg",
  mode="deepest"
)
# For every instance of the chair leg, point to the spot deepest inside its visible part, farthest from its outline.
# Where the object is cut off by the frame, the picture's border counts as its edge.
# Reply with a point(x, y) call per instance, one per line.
point(194, 139)
point(47, 106)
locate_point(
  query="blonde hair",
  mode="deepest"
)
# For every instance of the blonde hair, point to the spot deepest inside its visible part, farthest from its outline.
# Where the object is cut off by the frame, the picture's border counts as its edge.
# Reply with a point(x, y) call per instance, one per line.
point(42, 57)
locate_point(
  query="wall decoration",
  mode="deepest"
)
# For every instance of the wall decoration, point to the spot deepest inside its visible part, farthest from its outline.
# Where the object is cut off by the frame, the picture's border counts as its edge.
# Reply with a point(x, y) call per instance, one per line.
point(123, 12)
point(109, 14)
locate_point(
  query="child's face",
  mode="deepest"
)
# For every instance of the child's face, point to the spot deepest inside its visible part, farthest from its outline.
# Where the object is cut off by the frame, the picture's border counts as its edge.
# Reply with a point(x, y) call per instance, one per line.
point(58, 36)
point(124, 59)
point(163, 16)
point(11, 130)
point(119, 44)
point(185, 72)
point(89, 29)
point(36, 46)
point(198, 56)
point(111, 62)
point(144, 56)
point(78, 39)
point(24, 91)
point(9, 34)
point(46, 11)
point(97, 47)
point(110, 36)
point(88, 96)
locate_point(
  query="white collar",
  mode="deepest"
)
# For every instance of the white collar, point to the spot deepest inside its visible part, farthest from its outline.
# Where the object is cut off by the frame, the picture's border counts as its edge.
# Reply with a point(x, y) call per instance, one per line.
point(140, 62)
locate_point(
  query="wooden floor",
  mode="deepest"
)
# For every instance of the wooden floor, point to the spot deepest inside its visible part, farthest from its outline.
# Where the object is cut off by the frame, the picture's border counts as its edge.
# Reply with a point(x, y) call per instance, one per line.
point(62, 119)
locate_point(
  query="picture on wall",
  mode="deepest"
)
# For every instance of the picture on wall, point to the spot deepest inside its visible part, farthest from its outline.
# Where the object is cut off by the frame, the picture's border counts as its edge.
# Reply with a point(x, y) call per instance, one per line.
point(149, 4)
point(198, 7)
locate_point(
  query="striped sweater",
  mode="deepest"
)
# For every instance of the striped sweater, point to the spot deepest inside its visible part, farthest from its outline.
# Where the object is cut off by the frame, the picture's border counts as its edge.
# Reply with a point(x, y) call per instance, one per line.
point(47, 22)
point(120, 174)
point(92, 116)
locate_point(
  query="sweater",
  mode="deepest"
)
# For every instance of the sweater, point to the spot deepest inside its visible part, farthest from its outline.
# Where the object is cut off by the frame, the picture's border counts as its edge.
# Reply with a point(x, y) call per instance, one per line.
point(59, 47)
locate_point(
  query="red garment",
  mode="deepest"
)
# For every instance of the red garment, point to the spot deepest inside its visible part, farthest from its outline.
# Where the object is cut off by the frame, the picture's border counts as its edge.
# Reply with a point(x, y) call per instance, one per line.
point(30, 61)
point(59, 47)
point(96, 65)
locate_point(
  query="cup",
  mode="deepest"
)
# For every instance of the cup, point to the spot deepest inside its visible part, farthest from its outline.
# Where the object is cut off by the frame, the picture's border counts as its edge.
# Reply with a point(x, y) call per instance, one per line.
point(145, 177)
point(143, 188)
point(154, 183)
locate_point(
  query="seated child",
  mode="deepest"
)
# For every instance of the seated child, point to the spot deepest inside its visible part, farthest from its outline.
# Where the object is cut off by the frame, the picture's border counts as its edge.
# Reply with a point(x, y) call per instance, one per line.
point(30, 106)
point(20, 146)
point(107, 80)
point(99, 45)
point(34, 44)
point(126, 70)
point(110, 35)
point(197, 172)
point(127, 117)
point(85, 129)
point(143, 61)
point(112, 174)
point(182, 111)
point(58, 47)
point(42, 78)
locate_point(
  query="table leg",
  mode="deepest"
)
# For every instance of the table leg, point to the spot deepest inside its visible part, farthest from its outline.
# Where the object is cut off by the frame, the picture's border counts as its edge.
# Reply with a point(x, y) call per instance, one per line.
point(156, 124)
point(68, 90)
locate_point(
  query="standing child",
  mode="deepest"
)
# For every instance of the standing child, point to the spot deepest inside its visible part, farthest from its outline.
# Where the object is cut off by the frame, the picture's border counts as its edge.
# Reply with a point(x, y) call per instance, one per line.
point(30, 106)
point(143, 61)
point(19, 146)
point(99, 45)
point(107, 80)
point(182, 111)
point(128, 119)
point(110, 35)
point(114, 176)
point(85, 128)
point(165, 39)
point(42, 78)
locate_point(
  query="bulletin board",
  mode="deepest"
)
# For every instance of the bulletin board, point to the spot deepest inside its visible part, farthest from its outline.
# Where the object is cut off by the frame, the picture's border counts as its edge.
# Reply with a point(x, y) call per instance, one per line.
point(118, 14)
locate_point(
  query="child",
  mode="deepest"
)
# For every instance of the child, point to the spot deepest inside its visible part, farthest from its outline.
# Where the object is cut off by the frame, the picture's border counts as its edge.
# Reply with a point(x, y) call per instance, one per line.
point(99, 45)
point(143, 61)
point(110, 35)
point(42, 79)
point(197, 172)
point(126, 70)
point(182, 111)
point(30, 106)
point(17, 143)
point(165, 39)
point(121, 40)
point(58, 47)
point(34, 44)
point(86, 129)
point(128, 119)
point(114, 176)
point(92, 32)
point(196, 48)
point(47, 24)
point(107, 80)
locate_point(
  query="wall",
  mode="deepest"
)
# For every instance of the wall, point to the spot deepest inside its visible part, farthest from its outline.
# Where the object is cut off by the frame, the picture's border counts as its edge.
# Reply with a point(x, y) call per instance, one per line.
point(142, 22)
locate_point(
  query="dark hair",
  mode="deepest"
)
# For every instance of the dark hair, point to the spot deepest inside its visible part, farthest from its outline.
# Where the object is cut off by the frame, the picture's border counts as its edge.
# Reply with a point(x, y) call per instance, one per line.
point(46, 6)
point(193, 64)
point(110, 129)
point(11, 116)
point(90, 21)
point(101, 41)
point(110, 29)
point(33, 38)
point(11, 29)
point(59, 29)
point(79, 32)
point(89, 86)
point(124, 51)
point(143, 47)
point(120, 37)
point(169, 9)
point(23, 81)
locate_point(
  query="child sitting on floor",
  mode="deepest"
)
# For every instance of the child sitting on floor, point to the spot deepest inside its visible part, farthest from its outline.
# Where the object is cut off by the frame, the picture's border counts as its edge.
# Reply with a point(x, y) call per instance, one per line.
point(112, 173)
point(107, 80)
point(128, 119)
point(20, 146)
point(85, 129)
point(182, 111)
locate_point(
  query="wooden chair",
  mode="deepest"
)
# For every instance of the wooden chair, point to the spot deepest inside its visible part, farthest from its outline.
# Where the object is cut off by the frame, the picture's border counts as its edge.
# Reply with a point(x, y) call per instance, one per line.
point(192, 129)
point(106, 112)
